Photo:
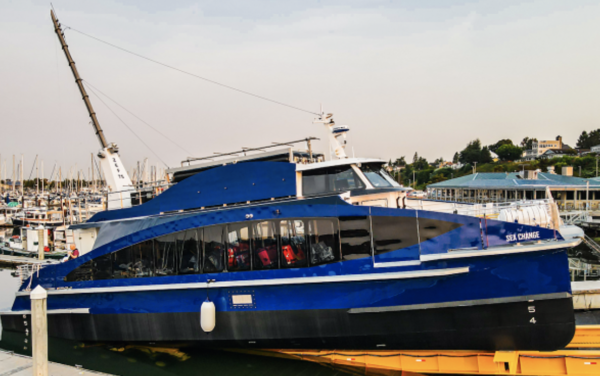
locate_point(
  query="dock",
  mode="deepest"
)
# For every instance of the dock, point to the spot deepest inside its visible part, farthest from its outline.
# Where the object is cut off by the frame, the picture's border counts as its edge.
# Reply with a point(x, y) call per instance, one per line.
point(581, 357)
point(586, 295)
point(20, 365)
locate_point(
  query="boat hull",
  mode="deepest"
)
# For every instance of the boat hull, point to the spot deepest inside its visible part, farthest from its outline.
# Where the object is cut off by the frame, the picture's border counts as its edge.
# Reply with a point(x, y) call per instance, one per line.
point(500, 326)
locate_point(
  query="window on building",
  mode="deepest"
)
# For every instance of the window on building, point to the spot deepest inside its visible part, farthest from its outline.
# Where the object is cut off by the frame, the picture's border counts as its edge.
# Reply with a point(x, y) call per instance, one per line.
point(570, 195)
point(355, 237)
point(264, 245)
point(322, 236)
point(332, 179)
point(214, 249)
point(165, 255)
point(393, 233)
point(238, 247)
point(294, 250)
point(189, 253)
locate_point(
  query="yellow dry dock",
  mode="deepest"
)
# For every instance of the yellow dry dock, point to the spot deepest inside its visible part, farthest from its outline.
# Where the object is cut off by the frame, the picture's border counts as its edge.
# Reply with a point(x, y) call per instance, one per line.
point(582, 357)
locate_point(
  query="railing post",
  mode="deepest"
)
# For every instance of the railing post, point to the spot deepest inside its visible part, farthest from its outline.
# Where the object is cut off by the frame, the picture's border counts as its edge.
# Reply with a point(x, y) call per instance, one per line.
point(39, 331)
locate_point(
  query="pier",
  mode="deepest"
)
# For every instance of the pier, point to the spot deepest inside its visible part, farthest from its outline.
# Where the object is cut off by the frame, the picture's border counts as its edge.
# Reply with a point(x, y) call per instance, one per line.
point(20, 365)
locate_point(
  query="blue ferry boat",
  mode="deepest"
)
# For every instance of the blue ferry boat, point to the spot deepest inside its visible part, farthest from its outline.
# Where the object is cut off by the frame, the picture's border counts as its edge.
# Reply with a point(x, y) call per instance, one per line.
point(287, 250)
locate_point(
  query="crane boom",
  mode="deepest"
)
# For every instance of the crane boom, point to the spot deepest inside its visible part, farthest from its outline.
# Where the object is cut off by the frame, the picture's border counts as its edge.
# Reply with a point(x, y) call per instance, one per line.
point(78, 80)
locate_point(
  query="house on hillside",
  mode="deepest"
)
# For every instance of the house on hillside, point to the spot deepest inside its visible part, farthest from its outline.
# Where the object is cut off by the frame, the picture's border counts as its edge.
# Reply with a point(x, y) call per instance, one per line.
point(538, 148)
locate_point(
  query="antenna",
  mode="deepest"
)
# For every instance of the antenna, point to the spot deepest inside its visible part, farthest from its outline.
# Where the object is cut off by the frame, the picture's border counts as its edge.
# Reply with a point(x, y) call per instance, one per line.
point(335, 131)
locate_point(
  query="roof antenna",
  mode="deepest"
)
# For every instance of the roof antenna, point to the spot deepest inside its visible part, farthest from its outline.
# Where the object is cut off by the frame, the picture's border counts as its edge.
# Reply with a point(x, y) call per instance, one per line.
point(335, 146)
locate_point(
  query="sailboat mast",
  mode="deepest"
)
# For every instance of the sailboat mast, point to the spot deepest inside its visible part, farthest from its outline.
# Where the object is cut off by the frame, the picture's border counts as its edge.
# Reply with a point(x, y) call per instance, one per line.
point(79, 82)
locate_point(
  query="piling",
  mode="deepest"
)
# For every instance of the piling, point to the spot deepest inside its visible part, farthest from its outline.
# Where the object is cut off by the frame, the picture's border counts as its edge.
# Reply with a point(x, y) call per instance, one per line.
point(40, 234)
point(39, 331)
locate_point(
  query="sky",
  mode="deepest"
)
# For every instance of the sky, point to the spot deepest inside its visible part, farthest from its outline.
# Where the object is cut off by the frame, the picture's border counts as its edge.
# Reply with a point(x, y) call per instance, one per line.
point(405, 76)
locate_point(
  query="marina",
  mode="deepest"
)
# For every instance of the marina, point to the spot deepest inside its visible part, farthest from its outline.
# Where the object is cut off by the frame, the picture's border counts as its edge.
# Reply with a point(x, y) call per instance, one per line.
point(311, 256)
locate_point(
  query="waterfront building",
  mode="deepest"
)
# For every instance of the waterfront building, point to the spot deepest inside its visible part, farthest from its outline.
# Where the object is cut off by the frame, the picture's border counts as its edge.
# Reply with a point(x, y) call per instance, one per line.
point(570, 193)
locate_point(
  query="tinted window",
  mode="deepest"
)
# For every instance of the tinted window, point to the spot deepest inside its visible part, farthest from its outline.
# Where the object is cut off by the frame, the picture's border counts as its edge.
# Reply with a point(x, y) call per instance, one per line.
point(83, 272)
point(333, 179)
point(293, 243)
point(238, 247)
point(377, 175)
point(165, 255)
point(189, 253)
point(392, 233)
point(123, 264)
point(214, 249)
point(102, 267)
point(355, 237)
point(322, 235)
point(143, 259)
point(264, 245)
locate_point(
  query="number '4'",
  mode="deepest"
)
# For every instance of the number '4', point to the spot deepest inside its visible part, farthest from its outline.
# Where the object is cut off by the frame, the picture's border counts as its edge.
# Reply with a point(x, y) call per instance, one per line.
point(532, 320)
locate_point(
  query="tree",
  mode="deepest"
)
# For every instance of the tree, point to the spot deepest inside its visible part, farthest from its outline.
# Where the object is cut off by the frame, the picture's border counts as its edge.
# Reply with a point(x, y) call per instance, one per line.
point(438, 161)
point(509, 152)
point(527, 143)
point(415, 157)
point(455, 158)
point(475, 153)
point(498, 144)
point(485, 156)
point(400, 161)
point(586, 141)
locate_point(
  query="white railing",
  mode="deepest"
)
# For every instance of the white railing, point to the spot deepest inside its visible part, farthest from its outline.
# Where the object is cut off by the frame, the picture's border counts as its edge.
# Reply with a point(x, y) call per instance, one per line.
point(575, 217)
point(490, 210)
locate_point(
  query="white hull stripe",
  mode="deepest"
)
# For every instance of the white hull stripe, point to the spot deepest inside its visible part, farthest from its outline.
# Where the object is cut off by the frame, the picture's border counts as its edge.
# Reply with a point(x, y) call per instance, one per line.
point(49, 312)
point(464, 303)
point(264, 282)
point(504, 250)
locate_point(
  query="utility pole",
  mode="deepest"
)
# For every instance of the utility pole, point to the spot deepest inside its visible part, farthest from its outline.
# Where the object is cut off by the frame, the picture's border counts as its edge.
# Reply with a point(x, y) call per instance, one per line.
point(475, 167)
point(37, 176)
point(93, 178)
point(22, 182)
point(414, 181)
point(597, 156)
point(14, 174)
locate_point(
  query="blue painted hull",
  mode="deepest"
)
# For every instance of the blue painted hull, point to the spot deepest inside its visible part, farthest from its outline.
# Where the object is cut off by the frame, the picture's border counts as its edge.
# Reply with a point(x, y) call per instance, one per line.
point(491, 297)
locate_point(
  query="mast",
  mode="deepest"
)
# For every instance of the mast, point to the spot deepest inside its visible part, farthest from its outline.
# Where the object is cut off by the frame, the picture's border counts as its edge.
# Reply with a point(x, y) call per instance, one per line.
point(78, 80)
point(117, 180)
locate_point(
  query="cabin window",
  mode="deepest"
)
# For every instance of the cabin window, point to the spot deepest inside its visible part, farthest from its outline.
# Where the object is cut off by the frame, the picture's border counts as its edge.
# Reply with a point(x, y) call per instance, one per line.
point(392, 233)
point(102, 267)
point(189, 253)
point(165, 255)
point(264, 245)
point(322, 236)
point(377, 175)
point(214, 249)
point(123, 264)
point(238, 247)
point(143, 259)
point(333, 179)
point(355, 237)
point(83, 272)
point(293, 244)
